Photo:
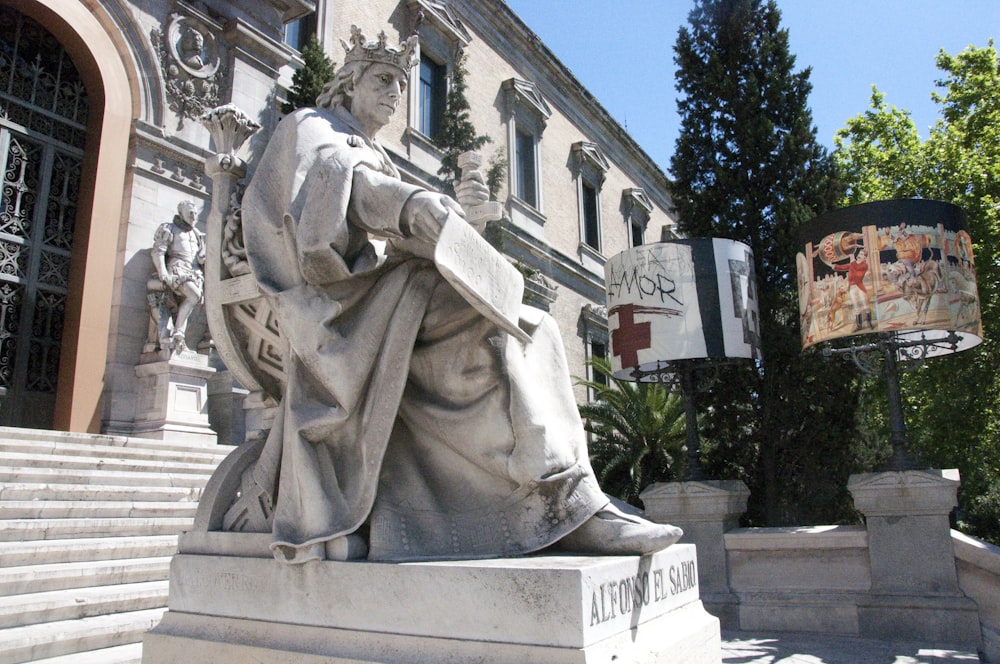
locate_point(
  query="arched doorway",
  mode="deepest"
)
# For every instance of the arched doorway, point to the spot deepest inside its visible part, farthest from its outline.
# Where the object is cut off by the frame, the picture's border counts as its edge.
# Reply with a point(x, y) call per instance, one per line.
point(43, 123)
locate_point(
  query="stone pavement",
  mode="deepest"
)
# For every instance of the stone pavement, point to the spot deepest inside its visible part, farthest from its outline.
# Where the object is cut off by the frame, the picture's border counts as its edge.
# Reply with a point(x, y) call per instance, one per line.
point(796, 648)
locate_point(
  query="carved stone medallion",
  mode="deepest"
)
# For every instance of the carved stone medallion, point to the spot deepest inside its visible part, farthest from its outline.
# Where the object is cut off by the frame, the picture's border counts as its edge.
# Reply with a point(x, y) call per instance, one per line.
point(191, 65)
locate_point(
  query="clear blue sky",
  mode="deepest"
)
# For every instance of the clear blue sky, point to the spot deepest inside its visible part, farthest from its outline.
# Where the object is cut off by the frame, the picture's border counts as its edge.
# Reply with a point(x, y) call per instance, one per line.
point(622, 51)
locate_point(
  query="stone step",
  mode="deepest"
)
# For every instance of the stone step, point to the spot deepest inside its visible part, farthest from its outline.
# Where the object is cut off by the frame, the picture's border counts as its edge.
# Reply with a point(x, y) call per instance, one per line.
point(46, 436)
point(100, 477)
point(71, 462)
point(63, 576)
point(53, 605)
point(39, 552)
point(87, 450)
point(96, 509)
point(88, 525)
point(15, 530)
point(37, 491)
point(34, 642)
point(128, 654)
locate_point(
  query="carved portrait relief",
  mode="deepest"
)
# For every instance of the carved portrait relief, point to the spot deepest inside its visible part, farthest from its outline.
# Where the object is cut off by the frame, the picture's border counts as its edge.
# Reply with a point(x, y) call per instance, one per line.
point(191, 63)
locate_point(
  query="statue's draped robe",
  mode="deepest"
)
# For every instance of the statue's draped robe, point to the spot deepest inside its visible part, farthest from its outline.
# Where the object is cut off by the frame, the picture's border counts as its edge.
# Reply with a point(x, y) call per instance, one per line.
point(403, 407)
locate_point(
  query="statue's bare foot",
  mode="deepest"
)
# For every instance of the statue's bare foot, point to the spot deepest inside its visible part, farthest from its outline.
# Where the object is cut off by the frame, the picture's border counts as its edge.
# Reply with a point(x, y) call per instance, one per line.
point(611, 532)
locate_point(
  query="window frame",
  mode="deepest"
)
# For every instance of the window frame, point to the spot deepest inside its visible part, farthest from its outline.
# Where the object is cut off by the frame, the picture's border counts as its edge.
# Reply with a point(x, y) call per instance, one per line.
point(590, 168)
point(443, 38)
point(636, 234)
point(593, 328)
point(525, 176)
point(304, 27)
point(430, 109)
point(526, 114)
point(590, 214)
point(597, 376)
point(638, 209)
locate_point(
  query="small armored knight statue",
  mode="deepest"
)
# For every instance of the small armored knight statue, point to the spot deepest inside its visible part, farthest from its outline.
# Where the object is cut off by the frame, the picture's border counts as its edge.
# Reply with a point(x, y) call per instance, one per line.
point(178, 254)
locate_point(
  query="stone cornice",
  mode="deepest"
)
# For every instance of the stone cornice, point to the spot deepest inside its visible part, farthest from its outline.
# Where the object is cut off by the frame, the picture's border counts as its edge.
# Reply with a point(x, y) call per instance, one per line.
point(526, 93)
point(443, 18)
point(551, 262)
point(269, 55)
point(590, 153)
point(637, 197)
point(154, 138)
point(293, 9)
point(495, 23)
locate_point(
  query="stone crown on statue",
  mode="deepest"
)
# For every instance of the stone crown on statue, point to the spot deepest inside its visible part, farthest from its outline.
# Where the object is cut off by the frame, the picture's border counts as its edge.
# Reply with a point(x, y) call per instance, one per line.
point(361, 50)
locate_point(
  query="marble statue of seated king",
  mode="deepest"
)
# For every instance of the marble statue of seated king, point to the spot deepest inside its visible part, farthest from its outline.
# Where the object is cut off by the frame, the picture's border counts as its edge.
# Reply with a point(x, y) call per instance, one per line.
point(408, 417)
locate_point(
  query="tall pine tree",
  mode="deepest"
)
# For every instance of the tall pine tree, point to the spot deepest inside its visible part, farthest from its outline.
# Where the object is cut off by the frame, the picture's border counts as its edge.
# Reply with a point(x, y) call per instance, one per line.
point(458, 134)
point(747, 166)
point(309, 79)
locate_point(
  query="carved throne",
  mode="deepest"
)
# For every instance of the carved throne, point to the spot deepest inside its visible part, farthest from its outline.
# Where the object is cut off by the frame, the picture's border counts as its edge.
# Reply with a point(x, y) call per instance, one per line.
point(239, 496)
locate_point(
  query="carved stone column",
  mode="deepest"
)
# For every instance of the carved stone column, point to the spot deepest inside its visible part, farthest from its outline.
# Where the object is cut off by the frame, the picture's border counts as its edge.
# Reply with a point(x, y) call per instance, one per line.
point(242, 326)
point(705, 510)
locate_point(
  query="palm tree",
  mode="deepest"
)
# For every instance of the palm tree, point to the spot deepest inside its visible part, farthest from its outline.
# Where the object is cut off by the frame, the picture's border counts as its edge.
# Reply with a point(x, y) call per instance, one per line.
point(637, 433)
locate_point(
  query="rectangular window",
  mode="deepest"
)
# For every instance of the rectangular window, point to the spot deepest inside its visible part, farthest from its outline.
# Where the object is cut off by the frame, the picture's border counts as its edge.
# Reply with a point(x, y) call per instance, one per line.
point(636, 234)
point(298, 32)
point(598, 351)
point(527, 186)
point(433, 96)
point(591, 224)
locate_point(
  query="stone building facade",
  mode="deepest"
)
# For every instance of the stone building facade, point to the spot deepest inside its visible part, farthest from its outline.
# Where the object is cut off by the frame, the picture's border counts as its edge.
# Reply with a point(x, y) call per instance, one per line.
point(100, 106)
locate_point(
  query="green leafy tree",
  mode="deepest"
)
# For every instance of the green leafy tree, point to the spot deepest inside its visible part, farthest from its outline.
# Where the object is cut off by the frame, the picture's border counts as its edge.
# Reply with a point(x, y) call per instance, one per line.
point(458, 134)
point(309, 79)
point(952, 403)
point(747, 166)
point(879, 154)
point(637, 433)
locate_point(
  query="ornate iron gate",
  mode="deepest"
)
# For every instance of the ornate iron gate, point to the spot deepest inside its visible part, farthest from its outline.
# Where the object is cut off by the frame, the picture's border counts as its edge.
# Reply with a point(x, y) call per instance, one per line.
point(43, 116)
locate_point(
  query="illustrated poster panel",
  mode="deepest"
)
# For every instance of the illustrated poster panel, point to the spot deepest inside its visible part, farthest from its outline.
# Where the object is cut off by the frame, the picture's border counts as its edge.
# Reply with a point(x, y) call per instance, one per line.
point(890, 266)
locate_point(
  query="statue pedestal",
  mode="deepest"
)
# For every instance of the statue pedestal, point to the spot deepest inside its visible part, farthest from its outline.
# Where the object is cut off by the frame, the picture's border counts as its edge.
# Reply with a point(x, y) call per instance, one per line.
point(235, 608)
point(226, 413)
point(705, 510)
point(173, 397)
point(914, 589)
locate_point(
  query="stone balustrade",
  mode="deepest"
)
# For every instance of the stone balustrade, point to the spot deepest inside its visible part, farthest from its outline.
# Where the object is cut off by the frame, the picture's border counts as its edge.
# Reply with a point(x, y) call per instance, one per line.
point(903, 575)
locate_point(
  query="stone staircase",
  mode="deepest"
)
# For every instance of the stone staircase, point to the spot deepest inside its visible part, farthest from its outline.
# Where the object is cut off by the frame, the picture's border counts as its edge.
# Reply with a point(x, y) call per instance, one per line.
point(87, 528)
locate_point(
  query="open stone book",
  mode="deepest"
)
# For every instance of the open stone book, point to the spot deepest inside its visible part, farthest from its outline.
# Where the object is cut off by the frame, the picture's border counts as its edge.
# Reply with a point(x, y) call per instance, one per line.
point(481, 275)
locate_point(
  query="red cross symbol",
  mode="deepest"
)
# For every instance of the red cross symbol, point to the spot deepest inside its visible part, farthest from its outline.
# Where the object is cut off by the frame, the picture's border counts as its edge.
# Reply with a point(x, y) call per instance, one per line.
point(630, 337)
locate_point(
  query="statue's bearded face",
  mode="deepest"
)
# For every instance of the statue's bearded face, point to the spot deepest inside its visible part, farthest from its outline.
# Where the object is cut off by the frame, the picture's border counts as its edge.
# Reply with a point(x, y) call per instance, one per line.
point(186, 214)
point(376, 95)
